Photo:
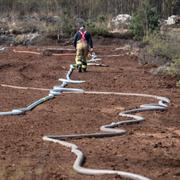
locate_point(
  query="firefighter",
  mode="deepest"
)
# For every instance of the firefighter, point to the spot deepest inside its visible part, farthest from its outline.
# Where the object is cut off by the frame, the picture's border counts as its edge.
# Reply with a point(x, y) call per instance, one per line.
point(83, 44)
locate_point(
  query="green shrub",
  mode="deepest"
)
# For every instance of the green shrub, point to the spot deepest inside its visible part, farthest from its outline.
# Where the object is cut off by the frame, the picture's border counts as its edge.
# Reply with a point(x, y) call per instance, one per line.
point(166, 45)
point(163, 45)
point(96, 30)
point(68, 30)
point(158, 45)
point(175, 68)
point(145, 20)
point(51, 31)
point(137, 25)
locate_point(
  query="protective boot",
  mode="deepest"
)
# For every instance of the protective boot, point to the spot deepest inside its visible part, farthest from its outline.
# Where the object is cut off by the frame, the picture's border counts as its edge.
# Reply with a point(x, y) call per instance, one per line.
point(84, 65)
point(79, 68)
point(84, 69)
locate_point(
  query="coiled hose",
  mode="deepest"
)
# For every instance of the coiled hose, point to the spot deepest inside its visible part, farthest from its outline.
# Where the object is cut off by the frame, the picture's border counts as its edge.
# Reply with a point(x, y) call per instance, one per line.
point(107, 130)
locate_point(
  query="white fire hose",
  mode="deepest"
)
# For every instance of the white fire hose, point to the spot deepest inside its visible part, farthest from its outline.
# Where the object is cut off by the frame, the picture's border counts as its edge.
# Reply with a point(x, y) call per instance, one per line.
point(108, 130)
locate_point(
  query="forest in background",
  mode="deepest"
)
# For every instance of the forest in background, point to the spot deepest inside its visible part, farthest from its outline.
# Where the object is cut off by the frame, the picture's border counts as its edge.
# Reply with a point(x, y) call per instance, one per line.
point(86, 9)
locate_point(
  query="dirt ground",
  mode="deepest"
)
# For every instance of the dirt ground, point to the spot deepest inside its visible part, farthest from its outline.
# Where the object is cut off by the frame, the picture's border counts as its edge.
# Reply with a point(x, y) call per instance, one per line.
point(151, 148)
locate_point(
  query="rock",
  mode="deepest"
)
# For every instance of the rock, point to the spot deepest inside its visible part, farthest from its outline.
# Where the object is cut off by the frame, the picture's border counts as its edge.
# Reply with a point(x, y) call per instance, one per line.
point(32, 38)
point(172, 20)
point(120, 21)
point(3, 49)
point(26, 39)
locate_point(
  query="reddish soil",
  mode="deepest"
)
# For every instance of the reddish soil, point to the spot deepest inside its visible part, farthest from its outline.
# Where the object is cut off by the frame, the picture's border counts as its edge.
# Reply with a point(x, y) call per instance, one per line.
point(150, 148)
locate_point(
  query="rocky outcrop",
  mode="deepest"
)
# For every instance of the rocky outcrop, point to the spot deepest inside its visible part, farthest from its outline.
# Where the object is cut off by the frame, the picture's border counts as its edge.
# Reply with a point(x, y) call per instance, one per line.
point(27, 29)
point(120, 21)
point(172, 20)
point(26, 39)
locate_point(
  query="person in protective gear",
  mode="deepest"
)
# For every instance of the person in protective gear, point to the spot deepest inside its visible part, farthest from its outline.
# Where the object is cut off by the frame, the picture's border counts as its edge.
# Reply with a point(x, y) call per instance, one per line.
point(83, 44)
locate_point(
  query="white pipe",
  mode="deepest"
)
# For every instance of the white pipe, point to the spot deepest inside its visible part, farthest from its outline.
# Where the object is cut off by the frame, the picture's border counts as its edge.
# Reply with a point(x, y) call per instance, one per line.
point(80, 159)
point(71, 81)
point(107, 130)
point(24, 88)
point(110, 131)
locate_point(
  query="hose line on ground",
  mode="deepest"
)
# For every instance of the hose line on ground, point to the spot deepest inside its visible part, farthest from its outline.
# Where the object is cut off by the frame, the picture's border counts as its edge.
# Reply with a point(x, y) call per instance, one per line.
point(108, 130)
